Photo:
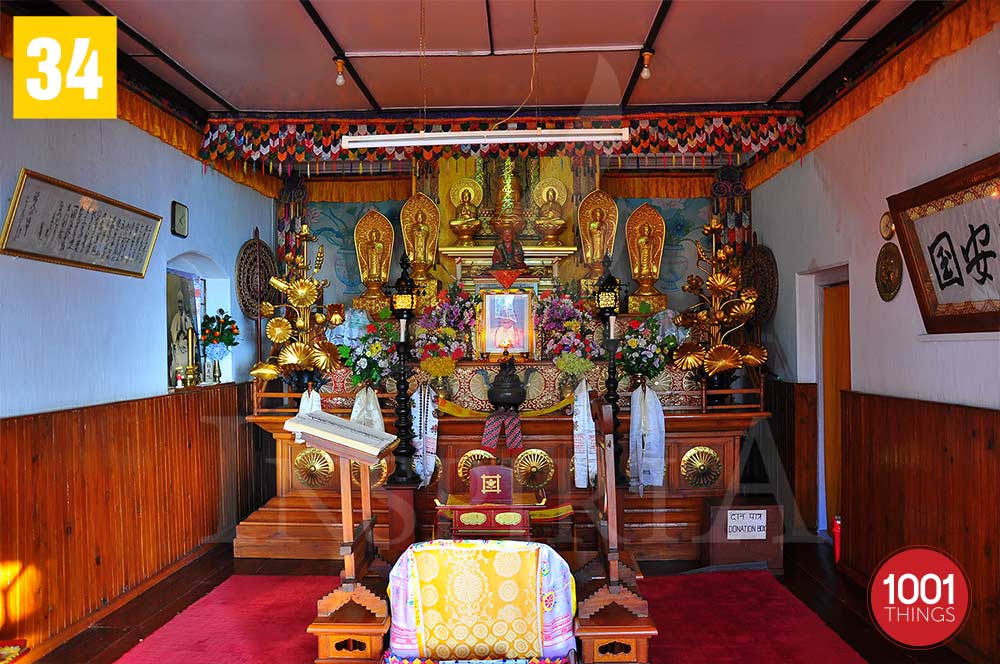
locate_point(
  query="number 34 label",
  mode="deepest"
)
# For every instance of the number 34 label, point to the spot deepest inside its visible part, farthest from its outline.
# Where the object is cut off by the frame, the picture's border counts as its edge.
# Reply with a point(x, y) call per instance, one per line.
point(65, 67)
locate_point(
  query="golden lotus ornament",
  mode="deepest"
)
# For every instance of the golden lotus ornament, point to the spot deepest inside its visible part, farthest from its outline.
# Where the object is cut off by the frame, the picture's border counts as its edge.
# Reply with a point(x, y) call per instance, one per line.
point(325, 355)
point(303, 292)
point(721, 285)
point(264, 371)
point(722, 357)
point(754, 355)
point(741, 310)
point(689, 355)
point(749, 295)
point(266, 309)
point(296, 356)
point(278, 330)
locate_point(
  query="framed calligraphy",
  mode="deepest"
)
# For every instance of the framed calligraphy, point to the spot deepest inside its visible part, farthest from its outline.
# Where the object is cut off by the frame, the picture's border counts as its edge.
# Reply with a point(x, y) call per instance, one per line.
point(51, 220)
point(949, 231)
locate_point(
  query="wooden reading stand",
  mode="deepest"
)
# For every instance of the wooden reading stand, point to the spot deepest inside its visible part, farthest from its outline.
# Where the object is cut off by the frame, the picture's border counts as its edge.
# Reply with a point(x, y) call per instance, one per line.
point(613, 622)
point(352, 620)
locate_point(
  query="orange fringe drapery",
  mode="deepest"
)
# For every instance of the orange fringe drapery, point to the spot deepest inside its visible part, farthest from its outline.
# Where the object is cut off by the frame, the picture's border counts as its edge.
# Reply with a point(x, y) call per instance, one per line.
point(953, 32)
point(136, 110)
point(359, 189)
point(630, 185)
point(6, 36)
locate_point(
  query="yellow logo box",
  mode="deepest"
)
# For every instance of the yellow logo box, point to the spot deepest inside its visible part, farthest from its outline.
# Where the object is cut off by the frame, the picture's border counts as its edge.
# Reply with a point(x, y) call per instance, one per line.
point(65, 67)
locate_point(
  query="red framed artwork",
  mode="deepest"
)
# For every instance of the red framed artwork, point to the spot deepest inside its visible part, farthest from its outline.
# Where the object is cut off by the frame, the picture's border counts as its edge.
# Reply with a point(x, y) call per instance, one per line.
point(949, 232)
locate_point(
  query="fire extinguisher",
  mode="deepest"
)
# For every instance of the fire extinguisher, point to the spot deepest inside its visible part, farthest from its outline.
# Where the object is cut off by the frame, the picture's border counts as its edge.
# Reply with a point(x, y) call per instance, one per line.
point(836, 538)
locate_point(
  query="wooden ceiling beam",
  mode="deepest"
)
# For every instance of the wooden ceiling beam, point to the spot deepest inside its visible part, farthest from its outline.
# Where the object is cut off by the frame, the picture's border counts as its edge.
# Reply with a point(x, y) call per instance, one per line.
point(824, 49)
point(166, 59)
point(339, 52)
point(654, 32)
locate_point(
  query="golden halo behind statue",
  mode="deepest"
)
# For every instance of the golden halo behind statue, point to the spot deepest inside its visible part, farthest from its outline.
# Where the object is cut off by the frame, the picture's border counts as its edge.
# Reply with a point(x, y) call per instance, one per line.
point(541, 190)
point(455, 193)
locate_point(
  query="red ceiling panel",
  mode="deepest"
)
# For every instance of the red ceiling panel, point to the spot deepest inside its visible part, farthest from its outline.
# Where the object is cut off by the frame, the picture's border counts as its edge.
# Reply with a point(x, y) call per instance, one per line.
point(383, 26)
point(561, 79)
point(826, 66)
point(736, 52)
point(572, 23)
point(876, 19)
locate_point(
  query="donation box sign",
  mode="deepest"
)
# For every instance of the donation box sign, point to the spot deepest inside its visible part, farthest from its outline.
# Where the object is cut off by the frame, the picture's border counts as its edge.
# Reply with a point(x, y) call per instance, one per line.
point(746, 524)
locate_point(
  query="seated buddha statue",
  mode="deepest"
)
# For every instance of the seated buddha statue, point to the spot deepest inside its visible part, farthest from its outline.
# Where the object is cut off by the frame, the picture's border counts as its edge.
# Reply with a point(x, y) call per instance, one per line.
point(550, 221)
point(508, 253)
point(466, 222)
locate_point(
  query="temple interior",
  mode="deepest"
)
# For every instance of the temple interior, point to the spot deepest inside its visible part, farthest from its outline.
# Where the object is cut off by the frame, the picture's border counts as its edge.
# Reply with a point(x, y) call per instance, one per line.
point(528, 331)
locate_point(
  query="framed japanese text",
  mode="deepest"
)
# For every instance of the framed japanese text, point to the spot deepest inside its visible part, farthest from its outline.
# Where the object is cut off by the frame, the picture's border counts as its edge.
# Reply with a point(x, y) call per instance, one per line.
point(54, 221)
point(949, 231)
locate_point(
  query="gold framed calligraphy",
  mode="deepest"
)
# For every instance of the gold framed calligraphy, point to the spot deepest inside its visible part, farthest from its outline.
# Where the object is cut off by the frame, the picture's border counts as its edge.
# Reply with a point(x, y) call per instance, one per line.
point(54, 221)
point(949, 231)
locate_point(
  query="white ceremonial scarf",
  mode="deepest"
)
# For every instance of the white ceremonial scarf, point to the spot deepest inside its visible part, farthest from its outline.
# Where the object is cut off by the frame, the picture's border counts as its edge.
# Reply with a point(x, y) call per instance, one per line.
point(646, 440)
point(584, 438)
point(425, 423)
point(366, 410)
point(309, 403)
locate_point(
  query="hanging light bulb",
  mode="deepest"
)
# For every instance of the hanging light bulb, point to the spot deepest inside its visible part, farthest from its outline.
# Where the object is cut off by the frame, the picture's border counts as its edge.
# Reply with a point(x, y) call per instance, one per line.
point(646, 74)
point(340, 73)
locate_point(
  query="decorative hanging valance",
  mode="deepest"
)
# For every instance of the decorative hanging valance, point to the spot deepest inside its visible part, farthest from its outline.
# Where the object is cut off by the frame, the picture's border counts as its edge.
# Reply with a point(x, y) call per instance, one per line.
point(276, 144)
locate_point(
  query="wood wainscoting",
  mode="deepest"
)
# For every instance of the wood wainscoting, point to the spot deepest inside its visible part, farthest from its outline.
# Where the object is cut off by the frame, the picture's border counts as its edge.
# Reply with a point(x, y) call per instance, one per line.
point(99, 502)
point(918, 472)
point(794, 427)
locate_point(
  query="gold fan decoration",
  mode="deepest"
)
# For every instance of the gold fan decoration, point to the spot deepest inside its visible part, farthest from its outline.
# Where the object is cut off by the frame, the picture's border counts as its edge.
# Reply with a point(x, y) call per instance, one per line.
point(701, 467)
point(470, 460)
point(377, 473)
point(313, 467)
point(534, 468)
point(723, 308)
point(298, 334)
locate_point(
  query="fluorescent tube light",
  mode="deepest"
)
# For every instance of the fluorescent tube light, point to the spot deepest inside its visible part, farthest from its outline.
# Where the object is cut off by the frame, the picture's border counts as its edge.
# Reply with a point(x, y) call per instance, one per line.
point(484, 137)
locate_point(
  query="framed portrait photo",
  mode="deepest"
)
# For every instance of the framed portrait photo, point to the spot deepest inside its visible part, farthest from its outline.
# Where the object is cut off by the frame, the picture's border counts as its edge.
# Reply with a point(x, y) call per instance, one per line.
point(507, 322)
point(949, 232)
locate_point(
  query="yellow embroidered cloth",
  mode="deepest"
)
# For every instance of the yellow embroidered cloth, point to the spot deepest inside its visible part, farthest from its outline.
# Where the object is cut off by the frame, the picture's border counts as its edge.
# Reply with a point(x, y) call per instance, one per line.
point(477, 599)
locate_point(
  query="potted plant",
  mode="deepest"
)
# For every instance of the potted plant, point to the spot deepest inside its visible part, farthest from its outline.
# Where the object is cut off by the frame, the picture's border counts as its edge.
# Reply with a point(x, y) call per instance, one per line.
point(219, 333)
point(372, 356)
point(438, 351)
point(644, 352)
point(573, 351)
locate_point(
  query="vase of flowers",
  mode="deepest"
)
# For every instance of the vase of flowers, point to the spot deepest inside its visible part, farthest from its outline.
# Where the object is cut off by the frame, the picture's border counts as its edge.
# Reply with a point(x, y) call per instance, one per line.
point(555, 312)
point(438, 351)
point(574, 352)
point(219, 333)
point(455, 312)
point(371, 357)
point(644, 351)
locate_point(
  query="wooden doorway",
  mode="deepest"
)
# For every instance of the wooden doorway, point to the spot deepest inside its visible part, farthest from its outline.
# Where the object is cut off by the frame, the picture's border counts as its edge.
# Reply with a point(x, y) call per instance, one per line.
point(836, 377)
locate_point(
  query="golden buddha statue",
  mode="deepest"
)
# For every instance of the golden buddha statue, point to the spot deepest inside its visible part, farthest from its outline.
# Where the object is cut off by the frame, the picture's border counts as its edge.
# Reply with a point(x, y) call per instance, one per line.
point(645, 232)
point(466, 195)
point(598, 223)
point(373, 238)
point(419, 220)
point(550, 195)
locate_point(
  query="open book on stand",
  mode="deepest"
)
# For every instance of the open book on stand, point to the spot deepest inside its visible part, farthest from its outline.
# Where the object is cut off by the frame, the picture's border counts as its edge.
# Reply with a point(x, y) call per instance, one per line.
point(341, 437)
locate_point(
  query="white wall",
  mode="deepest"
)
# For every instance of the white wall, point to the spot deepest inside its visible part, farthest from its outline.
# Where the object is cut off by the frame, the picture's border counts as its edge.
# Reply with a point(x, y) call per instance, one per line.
point(825, 213)
point(72, 337)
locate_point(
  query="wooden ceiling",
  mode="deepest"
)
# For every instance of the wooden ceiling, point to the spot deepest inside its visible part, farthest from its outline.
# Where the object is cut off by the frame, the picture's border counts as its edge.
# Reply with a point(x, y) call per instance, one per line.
point(230, 56)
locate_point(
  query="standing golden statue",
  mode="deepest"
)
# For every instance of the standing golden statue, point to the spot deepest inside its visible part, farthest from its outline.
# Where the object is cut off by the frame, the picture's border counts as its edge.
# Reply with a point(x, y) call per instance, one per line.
point(597, 220)
point(466, 195)
point(549, 196)
point(420, 222)
point(645, 232)
point(373, 238)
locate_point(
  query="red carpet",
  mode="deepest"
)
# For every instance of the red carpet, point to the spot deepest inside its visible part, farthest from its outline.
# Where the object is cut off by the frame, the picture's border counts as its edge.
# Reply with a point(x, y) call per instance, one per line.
point(745, 617)
point(246, 620)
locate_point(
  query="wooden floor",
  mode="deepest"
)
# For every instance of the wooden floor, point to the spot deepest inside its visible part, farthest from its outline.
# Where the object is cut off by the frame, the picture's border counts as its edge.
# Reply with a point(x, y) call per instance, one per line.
point(809, 574)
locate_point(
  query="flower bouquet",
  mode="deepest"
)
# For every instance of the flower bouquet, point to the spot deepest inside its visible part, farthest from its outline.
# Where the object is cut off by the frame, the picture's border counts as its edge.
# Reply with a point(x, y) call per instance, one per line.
point(644, 351)
point(437, 352)
point(554, 312)
point(574, 352)
point(454, 311)
point(219, 334)
point(371, 358)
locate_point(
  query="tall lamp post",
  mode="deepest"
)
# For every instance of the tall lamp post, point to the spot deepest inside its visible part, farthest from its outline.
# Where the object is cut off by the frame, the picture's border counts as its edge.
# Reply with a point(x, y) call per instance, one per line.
point(608, 298)
point(404, 303)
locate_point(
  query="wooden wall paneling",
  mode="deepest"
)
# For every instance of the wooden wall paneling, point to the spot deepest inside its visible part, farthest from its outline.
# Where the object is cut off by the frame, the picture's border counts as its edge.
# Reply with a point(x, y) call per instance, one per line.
point(99, 501)
point(926, 473)
point(794, 427)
